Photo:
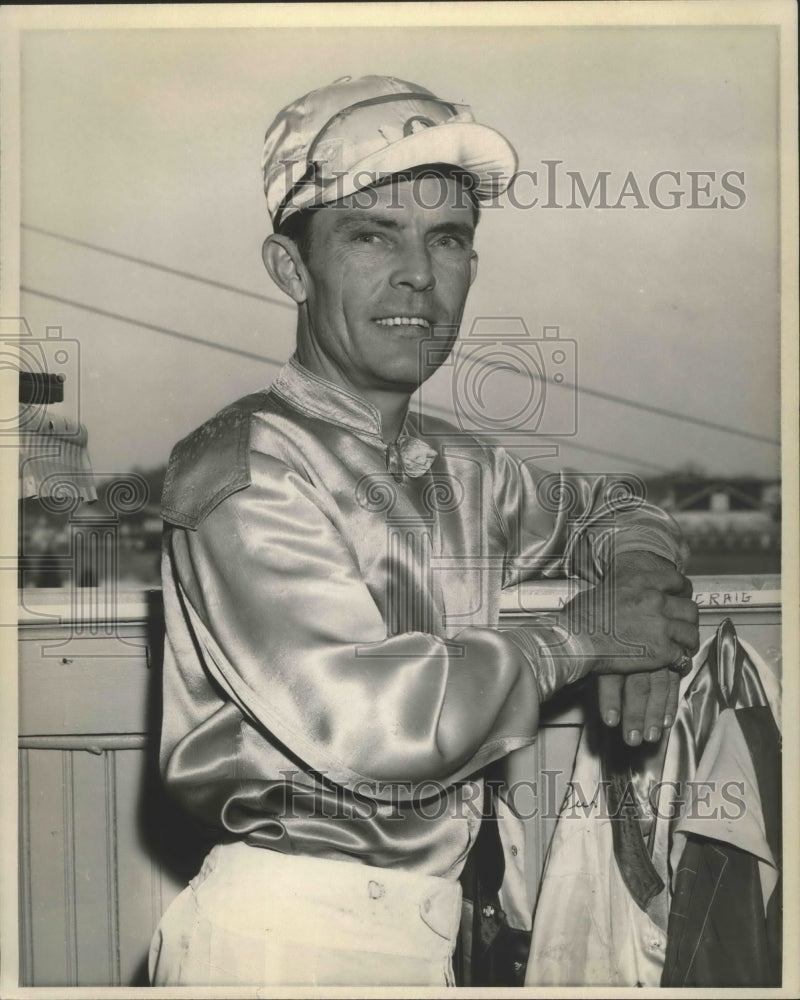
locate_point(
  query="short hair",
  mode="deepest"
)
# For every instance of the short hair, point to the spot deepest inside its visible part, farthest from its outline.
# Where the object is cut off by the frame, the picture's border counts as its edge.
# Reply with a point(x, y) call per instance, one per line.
point(297, 226)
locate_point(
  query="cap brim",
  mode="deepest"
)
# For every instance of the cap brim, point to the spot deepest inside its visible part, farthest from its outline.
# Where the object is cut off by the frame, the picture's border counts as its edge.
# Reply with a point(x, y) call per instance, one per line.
point(474, 148)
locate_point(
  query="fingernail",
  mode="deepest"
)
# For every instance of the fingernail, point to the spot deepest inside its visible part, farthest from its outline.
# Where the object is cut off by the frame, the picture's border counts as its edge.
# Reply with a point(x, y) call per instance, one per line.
point(634, 737)
point(611, 717)
point(668, 720)
point(653, 734)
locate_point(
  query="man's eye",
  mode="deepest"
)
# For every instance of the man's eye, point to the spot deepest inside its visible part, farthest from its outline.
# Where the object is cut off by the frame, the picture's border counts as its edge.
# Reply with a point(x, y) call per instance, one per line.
point(369, 238)
point(449, 242)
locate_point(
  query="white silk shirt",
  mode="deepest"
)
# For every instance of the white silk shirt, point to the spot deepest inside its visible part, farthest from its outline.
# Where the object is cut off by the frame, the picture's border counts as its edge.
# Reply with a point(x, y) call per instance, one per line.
point(334, 677)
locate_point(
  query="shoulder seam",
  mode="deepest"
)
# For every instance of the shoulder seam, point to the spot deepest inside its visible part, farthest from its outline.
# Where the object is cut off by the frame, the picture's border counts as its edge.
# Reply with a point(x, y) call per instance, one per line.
point(236, 475)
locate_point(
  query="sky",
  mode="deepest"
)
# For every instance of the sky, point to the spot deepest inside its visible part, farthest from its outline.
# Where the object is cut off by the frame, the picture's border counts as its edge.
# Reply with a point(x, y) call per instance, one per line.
point(147, 143)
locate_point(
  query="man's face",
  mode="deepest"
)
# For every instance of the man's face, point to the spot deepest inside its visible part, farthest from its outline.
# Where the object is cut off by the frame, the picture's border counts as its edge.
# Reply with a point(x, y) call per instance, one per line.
point(383, 271)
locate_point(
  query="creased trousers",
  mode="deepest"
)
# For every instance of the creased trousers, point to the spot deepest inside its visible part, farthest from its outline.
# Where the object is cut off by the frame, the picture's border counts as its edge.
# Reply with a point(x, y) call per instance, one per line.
point(257, 917)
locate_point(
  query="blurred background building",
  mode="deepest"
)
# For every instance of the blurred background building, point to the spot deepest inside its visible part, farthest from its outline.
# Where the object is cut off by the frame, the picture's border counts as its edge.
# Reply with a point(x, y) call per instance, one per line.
point(732, 525)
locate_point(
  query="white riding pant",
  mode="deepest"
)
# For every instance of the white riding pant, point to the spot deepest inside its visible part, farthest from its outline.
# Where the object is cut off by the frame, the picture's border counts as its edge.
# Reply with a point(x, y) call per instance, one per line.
point(257, 917)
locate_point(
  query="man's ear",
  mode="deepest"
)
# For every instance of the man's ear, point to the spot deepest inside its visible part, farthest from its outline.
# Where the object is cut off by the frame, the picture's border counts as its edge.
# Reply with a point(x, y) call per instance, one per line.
point(285, 266)
point(473, 267)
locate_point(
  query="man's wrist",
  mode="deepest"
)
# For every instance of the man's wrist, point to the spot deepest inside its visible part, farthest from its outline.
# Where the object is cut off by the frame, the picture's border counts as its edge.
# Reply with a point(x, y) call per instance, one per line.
point(555, 655)
point(643, 559)
point(648, 556)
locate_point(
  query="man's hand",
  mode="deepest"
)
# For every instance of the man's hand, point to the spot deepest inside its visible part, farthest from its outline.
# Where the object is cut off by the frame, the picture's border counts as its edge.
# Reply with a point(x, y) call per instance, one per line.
point(638, 618)
point(646, 702)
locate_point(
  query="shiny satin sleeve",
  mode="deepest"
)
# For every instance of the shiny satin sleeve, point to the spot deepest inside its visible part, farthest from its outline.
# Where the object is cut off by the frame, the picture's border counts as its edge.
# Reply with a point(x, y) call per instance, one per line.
point(573, 524)
point(289, 630)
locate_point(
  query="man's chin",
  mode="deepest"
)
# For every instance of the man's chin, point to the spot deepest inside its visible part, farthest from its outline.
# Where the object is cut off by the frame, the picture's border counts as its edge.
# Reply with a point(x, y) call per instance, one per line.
point(400, 381)
point(396, 371)
point(406, 372)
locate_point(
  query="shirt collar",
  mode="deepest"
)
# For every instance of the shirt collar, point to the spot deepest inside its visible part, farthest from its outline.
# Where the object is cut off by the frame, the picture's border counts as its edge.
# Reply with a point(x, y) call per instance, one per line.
point(407, 456)
point(328, 401)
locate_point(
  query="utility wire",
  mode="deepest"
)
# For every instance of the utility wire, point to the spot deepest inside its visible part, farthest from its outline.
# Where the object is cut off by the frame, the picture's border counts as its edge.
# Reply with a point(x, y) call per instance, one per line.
point(605, 453)
point(586, 390)
point(277, 362)
point(673, 414)
point(432, 407)
point(120, 317)
point(159, 267)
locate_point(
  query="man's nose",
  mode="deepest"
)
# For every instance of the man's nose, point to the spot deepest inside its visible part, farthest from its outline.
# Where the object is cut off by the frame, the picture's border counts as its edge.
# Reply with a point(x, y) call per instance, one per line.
point(414, 269)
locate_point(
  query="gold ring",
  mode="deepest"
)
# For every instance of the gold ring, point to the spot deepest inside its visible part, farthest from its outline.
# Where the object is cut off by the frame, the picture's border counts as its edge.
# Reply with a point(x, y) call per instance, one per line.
point(682, 666)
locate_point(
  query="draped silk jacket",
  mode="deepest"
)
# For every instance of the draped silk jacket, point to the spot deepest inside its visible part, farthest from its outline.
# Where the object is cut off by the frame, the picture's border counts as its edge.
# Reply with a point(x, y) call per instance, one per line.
point(335, 679)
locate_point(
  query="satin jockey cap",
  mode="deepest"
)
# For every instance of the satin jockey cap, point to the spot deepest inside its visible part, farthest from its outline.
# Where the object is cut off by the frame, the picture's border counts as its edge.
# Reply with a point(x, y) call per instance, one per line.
point(347, 136)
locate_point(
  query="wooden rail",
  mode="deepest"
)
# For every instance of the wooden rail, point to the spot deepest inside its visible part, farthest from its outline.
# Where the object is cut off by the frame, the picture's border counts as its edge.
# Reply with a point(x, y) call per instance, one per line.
point(102, 849)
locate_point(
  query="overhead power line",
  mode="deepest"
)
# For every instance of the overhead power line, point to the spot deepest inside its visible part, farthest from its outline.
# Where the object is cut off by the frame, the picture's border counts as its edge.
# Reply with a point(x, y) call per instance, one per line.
point(617, 456)
point(673, 414)
point(566, 443)
point(584, 389)
point(278, 362)
point(165, 330)
point(144, 262)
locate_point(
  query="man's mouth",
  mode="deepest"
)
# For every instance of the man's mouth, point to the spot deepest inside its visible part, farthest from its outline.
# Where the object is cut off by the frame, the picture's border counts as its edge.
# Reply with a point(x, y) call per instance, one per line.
point(403, 321)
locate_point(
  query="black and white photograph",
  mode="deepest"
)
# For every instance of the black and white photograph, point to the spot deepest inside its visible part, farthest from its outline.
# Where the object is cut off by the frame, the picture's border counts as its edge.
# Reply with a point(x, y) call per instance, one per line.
point(399, 463)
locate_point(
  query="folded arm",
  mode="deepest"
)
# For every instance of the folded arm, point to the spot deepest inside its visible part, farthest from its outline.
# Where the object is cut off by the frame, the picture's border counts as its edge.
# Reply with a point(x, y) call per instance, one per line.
point(289, 629)
point(601, 529)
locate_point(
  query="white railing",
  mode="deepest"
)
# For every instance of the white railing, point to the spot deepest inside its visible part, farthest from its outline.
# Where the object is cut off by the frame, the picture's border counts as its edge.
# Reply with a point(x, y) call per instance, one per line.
point(102, 851)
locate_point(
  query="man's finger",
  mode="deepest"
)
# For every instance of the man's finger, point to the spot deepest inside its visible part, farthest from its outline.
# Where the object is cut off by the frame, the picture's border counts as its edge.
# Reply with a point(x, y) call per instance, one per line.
point(681, 608)
point(635, 693)
point(609, 698)
point(671, 709)
point(681, 587)
point(656, 707)
point(685, 635)
point(669, 581)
